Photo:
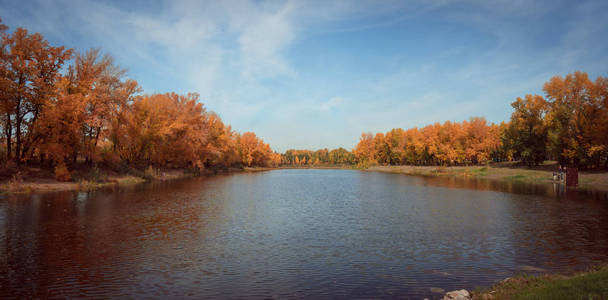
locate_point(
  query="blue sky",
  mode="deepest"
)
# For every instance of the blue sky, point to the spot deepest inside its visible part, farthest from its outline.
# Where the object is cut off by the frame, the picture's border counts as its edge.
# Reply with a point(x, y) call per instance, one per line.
point(316, 74)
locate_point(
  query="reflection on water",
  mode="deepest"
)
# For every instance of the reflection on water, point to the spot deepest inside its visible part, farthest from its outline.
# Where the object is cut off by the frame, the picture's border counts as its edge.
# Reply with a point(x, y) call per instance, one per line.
point(294, 234)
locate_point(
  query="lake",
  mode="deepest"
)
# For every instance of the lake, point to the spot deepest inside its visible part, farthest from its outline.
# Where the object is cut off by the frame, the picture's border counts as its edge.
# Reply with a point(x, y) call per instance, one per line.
point(294, 234)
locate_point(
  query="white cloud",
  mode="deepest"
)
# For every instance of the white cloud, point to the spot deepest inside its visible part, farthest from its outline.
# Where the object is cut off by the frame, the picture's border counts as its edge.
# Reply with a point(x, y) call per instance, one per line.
point(331, 103)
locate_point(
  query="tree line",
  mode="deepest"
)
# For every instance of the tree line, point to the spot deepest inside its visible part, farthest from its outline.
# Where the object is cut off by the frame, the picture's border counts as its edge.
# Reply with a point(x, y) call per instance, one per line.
point(60, 108)
point(568, 124)
point(322, 157)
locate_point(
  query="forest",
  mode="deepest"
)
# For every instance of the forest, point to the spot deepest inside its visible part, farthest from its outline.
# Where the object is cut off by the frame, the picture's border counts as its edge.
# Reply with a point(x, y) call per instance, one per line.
point(62, 109)
point(569, 124)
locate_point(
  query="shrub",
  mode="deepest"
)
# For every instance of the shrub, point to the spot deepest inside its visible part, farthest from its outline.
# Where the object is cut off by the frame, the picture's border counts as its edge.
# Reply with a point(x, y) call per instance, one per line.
point(15, 183)
point(150, 173)
point(85, 185)
point(8, 169)
point(97, 175)
point(112, 160)
point(62, 173)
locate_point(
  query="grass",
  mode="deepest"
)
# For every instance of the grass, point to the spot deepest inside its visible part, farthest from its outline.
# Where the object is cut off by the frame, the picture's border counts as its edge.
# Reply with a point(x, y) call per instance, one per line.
point(502, 171)
point(85, 185)
point(37, 180)
point(592, 284)
point(517, 177)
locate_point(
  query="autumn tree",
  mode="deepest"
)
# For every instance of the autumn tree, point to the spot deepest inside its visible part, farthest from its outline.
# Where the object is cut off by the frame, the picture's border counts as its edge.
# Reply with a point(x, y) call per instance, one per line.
point(436, 144)
point(98, 82)
point(382, 150)
point(165, 129)
point(577, 106)
point(341, 156)
point(598, 130)
point(450, 149)
point(60, 125)
point(430, 136)
point(413, 147)
point(481, 139)
point(527, 131)
point(30, 69)
point(395, 142)
point(365, 149)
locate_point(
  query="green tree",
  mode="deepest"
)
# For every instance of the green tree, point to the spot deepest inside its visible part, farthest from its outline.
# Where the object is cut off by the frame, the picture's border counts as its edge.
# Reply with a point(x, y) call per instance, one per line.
point(527, 131)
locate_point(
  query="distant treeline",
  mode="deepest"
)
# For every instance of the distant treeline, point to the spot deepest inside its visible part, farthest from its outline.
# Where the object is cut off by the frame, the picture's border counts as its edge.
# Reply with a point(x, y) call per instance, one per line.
point(321, 157)
point(569, 124)
point(60, 108)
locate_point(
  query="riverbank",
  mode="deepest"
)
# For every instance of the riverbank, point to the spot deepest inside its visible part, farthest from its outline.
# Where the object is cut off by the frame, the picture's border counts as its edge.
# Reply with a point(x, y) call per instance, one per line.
point(592, 284)
point(501, 172)
point(39, 181)
point(322, 167)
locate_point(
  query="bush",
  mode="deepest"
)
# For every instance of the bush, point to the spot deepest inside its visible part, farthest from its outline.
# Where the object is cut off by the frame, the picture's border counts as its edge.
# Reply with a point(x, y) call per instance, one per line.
point(150, 173)
point(62, 173)
point(8, 169)
point(112, 161)
point(97, 175)
point(85, 185)
point(15, 183)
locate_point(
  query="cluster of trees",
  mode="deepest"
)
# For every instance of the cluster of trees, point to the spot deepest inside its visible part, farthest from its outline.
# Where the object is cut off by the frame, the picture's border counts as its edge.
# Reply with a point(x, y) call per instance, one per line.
point(474, 141)
point(321, 157)
point(569, 124)
point(60, 108)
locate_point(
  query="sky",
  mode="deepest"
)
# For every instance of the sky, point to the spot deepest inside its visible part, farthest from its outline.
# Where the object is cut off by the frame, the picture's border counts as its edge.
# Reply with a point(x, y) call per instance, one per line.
point(317, 74)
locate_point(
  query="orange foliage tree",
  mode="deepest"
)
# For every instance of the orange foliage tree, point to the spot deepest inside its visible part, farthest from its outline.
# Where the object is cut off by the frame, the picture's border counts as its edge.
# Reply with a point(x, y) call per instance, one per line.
point(29, 70)
point(577, 119)
point(91, 113)
point(474, 141)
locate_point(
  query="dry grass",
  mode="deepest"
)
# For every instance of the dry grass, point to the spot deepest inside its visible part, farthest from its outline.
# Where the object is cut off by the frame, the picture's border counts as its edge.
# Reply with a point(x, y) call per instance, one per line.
point(85, 180)
point(543, 174)
point(256, 169)
point(51, 185)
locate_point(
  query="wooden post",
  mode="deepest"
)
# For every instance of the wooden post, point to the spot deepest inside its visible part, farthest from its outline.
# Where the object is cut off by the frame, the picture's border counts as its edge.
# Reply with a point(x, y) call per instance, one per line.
point(572, 176)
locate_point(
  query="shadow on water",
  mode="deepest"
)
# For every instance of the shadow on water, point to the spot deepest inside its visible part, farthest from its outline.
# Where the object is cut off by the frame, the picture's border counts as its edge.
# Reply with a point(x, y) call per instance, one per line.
point(320, 234)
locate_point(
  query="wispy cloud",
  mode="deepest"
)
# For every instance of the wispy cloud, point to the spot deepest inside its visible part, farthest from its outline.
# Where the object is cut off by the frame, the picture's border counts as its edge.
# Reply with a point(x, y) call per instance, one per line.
point(331, 103)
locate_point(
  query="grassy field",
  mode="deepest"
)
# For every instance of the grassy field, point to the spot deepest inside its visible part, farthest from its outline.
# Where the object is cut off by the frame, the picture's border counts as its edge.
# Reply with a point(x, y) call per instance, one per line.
point(592, 284)
point(504, 171)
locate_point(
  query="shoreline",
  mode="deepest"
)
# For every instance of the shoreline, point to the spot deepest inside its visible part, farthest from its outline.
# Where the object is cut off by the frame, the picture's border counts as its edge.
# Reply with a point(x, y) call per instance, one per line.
point(49, 185)
point(593, 181)
point(589, 284)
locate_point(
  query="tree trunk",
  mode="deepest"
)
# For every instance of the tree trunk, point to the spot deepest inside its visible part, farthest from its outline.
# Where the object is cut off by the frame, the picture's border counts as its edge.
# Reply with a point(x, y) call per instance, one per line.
point(30, 139)
point(97, 136)
point(9, 134)
point(18, 120)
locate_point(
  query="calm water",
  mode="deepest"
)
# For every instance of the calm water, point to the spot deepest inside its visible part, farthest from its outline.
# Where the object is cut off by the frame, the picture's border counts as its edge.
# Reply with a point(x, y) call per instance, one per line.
point(294, 234)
